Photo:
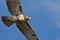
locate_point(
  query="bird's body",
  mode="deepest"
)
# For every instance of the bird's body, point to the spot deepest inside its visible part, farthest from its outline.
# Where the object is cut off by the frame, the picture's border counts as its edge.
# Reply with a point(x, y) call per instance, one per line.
point(19, 18)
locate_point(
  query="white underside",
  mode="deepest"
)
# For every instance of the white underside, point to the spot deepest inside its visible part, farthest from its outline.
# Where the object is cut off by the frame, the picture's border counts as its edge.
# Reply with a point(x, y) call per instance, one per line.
point(20, 17)
point(14, 18)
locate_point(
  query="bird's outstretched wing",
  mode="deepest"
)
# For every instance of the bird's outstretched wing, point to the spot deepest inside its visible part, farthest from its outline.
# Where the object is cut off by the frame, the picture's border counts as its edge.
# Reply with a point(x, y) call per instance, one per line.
point(14, 6)
point(25, 28)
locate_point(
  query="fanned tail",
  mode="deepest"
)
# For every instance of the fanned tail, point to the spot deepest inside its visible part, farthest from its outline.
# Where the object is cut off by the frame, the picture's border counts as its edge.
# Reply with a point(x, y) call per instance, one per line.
point(6, 22)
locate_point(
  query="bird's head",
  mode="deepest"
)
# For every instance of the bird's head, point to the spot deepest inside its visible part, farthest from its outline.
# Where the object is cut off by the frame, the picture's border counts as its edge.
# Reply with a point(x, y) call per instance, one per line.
point(27, 18)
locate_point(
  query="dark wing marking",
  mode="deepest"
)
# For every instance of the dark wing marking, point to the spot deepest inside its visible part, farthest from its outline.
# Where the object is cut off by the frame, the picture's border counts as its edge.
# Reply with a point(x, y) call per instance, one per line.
point(25, 28)
point(14, 6)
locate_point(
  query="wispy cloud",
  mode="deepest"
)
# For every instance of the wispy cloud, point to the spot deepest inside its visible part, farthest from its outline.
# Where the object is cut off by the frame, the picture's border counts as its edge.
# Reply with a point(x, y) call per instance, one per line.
point(54, 6)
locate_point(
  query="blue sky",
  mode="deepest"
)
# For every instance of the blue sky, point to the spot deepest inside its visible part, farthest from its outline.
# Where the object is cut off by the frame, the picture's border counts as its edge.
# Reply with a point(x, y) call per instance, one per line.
point(45, 20)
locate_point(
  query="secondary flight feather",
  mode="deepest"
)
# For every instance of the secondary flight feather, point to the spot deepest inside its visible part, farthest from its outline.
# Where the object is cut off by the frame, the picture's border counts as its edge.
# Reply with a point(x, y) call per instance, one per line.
point(19, 18)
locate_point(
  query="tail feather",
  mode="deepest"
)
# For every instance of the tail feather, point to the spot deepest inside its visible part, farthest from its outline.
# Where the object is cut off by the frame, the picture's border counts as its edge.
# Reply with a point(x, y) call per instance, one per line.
point(6, 22)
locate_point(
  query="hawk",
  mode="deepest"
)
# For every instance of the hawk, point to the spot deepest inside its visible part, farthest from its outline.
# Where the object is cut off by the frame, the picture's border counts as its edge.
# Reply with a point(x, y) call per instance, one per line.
point(19, 18)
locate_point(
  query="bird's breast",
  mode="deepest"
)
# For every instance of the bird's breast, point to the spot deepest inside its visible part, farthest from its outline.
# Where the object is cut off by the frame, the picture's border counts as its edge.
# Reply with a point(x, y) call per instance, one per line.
point(20, 17)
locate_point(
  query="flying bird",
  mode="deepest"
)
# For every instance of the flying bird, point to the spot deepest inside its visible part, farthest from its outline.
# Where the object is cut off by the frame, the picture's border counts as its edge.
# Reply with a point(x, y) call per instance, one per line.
point(19, 18)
